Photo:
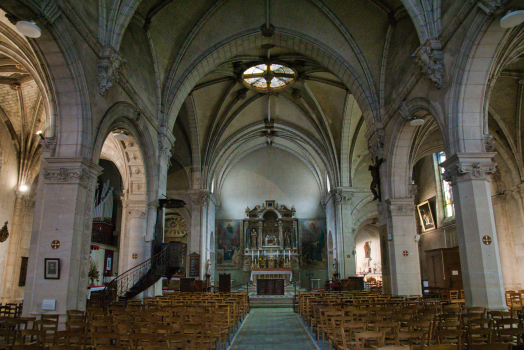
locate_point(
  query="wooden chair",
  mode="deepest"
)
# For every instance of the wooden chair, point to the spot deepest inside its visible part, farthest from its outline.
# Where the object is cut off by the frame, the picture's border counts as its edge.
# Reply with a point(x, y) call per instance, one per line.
point(369, 340)
point(494, 346)
point(390, 329)
point(27, 347)
point(455, 337)
point(442, 347)
point(7, 338)
point(139, 340)
point(101, 340)
point(64, 347)
point(415, 339)
point(31, 337)
point(395, 347)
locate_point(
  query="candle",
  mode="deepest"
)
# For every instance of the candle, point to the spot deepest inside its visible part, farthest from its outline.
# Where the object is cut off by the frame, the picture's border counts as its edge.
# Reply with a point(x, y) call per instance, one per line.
point(277, 253)
point(258, 254)
point(252, 255)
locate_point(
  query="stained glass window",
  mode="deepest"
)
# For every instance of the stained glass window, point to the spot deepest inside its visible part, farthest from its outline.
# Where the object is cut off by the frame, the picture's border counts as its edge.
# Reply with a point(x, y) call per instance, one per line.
point(277, 75)
point(447, 194)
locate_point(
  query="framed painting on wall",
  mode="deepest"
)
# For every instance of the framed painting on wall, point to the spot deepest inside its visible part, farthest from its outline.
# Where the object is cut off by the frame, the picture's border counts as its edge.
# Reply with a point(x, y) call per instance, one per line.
point(426, 217)
point(51, 269)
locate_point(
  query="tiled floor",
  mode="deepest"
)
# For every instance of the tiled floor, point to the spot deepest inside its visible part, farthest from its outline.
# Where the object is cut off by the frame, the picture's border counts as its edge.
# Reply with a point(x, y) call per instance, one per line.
point(272, 329)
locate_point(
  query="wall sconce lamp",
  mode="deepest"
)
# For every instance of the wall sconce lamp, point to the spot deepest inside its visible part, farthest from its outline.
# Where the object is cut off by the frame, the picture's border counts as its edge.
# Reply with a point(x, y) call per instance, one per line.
point(40, 133)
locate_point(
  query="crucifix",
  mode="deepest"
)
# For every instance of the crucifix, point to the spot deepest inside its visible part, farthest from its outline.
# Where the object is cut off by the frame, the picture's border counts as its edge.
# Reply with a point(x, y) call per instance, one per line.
point(375, 183)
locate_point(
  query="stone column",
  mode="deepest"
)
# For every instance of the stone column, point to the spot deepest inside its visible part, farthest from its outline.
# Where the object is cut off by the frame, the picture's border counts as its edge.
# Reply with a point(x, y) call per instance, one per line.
point(515, 212)
point(136, 248)
point(403, 249)
point(63, 212)
point(468, 173)
point(510, 270)
point(260, 231)
point(12, 258)
point(199, 200)
point(344, 233)
point(280, 235)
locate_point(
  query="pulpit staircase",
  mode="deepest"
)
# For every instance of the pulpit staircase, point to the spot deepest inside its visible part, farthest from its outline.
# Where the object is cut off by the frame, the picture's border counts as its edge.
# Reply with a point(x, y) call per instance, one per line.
point(136, 280)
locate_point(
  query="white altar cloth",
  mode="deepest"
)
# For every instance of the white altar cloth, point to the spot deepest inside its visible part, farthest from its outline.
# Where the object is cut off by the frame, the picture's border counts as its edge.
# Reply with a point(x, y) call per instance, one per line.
point(272, 272)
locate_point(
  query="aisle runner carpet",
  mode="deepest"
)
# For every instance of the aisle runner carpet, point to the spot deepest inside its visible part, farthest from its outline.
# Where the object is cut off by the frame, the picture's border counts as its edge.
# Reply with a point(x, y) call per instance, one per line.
point(276, 329)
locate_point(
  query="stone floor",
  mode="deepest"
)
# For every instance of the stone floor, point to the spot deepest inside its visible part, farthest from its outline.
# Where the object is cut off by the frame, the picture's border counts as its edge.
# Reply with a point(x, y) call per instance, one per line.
point(276, 329)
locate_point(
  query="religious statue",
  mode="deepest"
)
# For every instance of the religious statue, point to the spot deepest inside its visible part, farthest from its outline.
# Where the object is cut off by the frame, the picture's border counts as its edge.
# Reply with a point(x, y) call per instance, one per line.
point(287, 240)
point(335, 266)
point(266, 240)
point(367, 249)
point(208, 267)
point(375, 183)
point(254, 239)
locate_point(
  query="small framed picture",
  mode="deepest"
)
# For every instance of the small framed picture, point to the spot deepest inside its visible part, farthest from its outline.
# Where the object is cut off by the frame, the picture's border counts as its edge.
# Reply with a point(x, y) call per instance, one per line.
point(52, 269)
point(426, 217)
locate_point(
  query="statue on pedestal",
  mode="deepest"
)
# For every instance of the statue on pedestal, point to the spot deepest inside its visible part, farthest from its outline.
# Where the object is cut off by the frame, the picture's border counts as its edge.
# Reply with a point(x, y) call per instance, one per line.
point(254, 239)
point(287, 240)
point(208, 267)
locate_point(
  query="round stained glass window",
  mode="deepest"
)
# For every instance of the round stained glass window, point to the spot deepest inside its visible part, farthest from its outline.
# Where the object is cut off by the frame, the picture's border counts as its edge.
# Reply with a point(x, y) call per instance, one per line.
point(268, 76)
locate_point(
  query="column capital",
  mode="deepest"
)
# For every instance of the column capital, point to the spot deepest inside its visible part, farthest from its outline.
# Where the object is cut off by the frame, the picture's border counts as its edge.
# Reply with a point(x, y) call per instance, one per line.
point(342, 195)
point(136, 209)
point(200, 197)
point(70, 171)
point(499, 199)
point(166, 140)
point(469, 166)
point(400, 206)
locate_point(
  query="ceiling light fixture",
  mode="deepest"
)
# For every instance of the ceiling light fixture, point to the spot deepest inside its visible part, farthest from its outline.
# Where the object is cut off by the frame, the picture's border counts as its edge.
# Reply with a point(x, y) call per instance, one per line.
point(28, 29)
point(23, 188)
point(416, 122)
point(512, 19)
point(120, 136)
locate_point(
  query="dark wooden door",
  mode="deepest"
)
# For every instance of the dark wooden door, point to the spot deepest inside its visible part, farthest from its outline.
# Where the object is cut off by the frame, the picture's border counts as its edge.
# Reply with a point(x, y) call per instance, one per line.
point(262, 287)
point(279, 287)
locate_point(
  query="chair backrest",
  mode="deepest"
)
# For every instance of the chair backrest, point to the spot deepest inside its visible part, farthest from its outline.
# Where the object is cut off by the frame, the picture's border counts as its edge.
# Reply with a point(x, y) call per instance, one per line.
point(494, 346)
point(363, 338)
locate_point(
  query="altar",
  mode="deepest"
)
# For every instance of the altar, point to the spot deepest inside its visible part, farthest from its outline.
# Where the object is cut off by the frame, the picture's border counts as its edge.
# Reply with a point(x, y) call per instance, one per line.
point(286, 274)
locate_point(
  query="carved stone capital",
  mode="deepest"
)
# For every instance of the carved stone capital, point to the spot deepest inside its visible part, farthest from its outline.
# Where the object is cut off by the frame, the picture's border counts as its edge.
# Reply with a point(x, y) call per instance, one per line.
point(200, 197)
point(401, 206)
point(412, 190)
point(376, 143)
point(166, 140)
point(341, 196)
point(48, 144)
point(65, 175)
point(430, 58)
point(490, 6)
point(499, 199)
point(489, 143)
point(109, 65)
point(50, 11)
point(70, 171)
point(323, 204)
point(517, 192)
point(469, 166)
point(136, 213)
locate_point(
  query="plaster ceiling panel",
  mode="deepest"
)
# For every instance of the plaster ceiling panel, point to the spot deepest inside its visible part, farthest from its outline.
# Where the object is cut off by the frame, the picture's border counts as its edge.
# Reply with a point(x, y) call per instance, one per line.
point(361, 160)
point(331, 100)
point(503, 102)
point(31, 95)
point(9, 103)
point(306, 18)
point(88, 9)
point(180, 148)
point(146, 5)
point(282, 110)
point(430, 142)
point(255, 112)
point(206, 101)
point(368, 26)
point(170, 28)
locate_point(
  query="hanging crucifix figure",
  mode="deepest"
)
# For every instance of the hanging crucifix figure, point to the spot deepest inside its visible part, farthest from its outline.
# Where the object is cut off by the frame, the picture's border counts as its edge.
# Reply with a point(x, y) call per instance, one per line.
point(375, 183)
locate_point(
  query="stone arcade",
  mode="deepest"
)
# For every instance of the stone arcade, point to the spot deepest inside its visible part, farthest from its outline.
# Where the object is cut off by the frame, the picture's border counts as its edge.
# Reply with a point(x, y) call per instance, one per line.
point(130, 124)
